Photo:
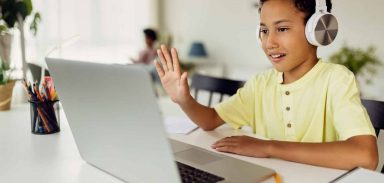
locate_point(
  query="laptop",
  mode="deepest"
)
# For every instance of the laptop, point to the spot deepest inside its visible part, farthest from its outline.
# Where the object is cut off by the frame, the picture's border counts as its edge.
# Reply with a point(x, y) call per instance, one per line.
point(117, 125)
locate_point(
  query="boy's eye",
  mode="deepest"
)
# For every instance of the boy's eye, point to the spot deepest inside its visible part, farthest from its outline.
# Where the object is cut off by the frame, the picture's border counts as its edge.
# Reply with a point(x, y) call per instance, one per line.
point(263, 31)
point(282, 29)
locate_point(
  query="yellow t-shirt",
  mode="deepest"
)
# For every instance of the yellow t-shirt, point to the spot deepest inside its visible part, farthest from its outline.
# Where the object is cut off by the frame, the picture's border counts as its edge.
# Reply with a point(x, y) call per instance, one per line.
point(322, 106)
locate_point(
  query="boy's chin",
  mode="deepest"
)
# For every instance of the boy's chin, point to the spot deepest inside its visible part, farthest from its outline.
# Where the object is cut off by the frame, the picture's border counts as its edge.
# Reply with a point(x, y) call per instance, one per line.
point(279, 68)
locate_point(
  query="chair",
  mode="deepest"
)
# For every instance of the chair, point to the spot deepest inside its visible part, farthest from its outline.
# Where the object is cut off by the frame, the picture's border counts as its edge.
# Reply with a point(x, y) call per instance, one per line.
point(214, 85)
point(375, 111)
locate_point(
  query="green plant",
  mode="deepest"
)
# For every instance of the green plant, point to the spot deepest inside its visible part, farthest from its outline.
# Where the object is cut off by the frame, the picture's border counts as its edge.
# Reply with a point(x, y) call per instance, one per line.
point(359, 61)
point(5, 72)
point(16, 11)
point(13, 13)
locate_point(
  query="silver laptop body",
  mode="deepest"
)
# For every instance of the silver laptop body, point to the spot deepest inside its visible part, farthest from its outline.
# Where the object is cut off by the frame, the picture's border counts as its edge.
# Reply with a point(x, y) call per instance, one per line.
point(117, 125)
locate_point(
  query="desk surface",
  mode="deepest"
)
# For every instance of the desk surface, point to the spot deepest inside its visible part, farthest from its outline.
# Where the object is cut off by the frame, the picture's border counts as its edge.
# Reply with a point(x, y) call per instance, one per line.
point(25, 157)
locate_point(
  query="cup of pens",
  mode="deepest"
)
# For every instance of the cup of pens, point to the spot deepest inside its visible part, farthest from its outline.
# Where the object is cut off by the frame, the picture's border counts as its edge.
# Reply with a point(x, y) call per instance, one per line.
point(44, 107)
point(45, 116)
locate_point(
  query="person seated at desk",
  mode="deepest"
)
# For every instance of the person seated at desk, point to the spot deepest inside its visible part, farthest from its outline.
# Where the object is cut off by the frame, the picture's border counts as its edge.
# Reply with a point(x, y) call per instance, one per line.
point(308, 108)
point(149, 53)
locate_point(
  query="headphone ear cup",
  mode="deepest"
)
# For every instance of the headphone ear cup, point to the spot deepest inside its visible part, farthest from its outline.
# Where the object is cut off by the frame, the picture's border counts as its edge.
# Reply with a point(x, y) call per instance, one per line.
point(310, 29)
point(321, 29)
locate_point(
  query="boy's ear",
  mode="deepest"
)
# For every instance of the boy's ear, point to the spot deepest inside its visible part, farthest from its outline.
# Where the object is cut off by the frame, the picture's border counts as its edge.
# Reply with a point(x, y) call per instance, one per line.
point(258, 34)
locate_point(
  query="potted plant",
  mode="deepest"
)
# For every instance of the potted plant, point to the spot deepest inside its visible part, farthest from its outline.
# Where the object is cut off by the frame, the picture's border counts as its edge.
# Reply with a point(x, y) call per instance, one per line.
point(13, 13)
point(6, 86)
point(361, 62)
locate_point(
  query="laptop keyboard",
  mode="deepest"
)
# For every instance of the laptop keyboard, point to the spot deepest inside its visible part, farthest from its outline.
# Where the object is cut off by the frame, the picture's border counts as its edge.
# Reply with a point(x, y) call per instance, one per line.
point(193, 175)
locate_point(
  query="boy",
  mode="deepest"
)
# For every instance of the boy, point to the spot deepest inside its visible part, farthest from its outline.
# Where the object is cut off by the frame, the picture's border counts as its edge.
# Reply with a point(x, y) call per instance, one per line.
point(310, 109)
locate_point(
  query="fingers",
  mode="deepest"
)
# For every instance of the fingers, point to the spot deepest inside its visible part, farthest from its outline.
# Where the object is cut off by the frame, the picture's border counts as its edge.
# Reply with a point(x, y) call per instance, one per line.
point(162, 60)
point(159, 70)
point(228, 149)
point(167, 57)
point(175, 61)
point(227, 141)
point(169, 61)
point(227, 144)
point(184, 80)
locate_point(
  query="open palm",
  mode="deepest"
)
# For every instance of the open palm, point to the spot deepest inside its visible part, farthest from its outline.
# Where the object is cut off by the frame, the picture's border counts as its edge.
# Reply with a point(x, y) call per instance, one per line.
point(174, 82)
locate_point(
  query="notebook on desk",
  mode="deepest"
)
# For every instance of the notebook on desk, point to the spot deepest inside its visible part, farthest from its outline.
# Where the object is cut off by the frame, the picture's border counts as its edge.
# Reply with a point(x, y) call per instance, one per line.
point(117, 125)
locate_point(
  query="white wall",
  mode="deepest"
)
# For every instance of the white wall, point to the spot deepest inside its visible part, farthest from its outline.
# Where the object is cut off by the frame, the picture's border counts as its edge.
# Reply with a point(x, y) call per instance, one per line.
point(227, 27)
point(110, 31)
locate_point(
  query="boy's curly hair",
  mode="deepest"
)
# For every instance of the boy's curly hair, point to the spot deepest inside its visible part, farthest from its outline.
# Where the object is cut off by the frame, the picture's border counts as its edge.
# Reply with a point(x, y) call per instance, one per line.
point(306, 6)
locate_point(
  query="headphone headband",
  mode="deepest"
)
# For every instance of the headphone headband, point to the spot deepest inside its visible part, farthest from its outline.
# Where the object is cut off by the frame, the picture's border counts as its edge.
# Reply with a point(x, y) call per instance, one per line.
point(321, 6)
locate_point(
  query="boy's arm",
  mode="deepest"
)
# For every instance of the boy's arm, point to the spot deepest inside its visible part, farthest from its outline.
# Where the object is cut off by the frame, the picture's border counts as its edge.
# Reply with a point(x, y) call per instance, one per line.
point(176, 86)
point(355, 151)
point(205, 117)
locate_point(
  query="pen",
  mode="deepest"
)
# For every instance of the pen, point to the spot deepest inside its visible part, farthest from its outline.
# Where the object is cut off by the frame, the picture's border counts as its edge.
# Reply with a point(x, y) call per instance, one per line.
point(343, 175)
point(45, 122)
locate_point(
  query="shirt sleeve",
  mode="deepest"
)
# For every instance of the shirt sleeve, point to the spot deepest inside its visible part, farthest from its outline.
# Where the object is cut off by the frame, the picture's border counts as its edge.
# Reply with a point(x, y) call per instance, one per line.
point(238, 110)
point(349, 116)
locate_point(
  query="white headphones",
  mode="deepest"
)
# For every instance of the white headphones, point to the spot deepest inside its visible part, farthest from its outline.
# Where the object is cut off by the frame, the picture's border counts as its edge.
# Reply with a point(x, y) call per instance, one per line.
point(321, 28)
point(258, 34)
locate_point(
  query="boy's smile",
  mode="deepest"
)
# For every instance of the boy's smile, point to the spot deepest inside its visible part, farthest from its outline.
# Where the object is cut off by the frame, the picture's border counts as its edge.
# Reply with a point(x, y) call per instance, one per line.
point(276, 57)
point(283, 39)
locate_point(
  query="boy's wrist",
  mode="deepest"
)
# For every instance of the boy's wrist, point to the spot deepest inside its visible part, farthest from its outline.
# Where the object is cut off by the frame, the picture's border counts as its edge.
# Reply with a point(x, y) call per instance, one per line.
point(270, 148)
point(186, 101)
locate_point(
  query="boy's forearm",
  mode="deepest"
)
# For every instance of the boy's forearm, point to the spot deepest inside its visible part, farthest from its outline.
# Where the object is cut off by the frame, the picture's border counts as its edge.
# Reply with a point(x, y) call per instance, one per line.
point(341, 155)
point(205, 117)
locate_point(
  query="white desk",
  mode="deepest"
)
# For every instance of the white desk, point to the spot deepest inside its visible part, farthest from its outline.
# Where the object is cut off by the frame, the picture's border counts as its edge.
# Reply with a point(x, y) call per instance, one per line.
point(25, 157)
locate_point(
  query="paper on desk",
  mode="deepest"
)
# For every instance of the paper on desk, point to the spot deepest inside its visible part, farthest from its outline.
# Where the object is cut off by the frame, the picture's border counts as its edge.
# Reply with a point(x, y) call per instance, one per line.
point(359, 175)
point(182, 125)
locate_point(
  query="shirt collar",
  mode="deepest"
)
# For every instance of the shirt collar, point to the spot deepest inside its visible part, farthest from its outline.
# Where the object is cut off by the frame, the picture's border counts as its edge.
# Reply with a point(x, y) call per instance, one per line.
point(307, 76)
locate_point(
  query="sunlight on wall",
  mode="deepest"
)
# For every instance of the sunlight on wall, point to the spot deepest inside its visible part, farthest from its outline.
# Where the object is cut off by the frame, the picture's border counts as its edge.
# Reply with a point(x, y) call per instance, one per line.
point(114, 27)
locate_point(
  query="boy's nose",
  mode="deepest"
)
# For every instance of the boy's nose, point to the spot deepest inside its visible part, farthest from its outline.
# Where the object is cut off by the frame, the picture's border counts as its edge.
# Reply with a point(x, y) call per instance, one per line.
point(271, 42)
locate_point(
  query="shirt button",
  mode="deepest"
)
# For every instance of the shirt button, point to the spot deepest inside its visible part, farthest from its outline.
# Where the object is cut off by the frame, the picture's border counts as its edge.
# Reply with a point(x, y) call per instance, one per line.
point(286, 92)
point(287, 108)
point(289, 125)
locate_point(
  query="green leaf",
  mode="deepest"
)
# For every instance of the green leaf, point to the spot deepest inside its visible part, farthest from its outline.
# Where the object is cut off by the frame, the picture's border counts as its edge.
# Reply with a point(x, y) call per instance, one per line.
point(36, 20)
point(3, 28)
point(5, 72)
point(21, 9)
point(28, 6)
point(358, 60)
point(10, 9)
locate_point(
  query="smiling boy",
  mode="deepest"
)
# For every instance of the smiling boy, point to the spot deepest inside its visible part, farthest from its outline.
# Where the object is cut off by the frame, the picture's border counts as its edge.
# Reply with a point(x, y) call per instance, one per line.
point(310, 109)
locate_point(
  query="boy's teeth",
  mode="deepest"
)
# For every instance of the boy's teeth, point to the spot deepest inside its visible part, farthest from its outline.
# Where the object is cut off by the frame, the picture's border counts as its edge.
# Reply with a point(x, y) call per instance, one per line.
point(277, 56)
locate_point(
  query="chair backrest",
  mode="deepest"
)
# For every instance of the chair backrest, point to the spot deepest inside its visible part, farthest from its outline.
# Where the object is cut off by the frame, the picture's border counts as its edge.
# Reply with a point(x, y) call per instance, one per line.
point(214, 85)
point(375, 111)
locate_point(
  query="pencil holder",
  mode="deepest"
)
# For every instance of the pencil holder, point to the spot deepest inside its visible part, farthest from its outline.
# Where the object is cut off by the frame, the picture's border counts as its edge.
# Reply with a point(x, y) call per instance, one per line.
point(45, 117)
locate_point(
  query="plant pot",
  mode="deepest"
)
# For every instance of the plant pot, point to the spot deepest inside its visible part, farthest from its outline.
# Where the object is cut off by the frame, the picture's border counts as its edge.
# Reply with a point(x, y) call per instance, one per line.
point(6, 95)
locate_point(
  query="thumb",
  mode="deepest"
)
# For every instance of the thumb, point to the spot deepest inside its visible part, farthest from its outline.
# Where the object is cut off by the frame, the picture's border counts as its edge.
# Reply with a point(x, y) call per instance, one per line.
point(184, 79)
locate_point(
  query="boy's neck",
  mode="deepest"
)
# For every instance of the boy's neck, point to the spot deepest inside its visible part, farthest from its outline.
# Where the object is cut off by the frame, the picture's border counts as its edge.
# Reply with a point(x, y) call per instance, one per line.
point(299, 71)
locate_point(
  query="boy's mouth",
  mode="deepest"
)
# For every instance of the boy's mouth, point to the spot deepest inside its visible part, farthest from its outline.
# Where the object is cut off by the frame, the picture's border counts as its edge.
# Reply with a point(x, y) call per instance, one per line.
point(277, 57)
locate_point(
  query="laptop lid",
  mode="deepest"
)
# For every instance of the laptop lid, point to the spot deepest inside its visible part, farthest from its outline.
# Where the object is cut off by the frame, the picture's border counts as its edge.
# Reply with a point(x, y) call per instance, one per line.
point(115, 119)
point(116, 122)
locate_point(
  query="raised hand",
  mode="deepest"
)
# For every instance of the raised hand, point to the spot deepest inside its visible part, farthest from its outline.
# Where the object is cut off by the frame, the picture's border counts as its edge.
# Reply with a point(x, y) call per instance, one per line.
point(174, 83)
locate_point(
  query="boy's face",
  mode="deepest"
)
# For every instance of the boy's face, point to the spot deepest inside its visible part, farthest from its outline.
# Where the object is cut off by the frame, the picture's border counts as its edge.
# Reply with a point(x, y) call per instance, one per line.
point(148, 41)
point(282, 33)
